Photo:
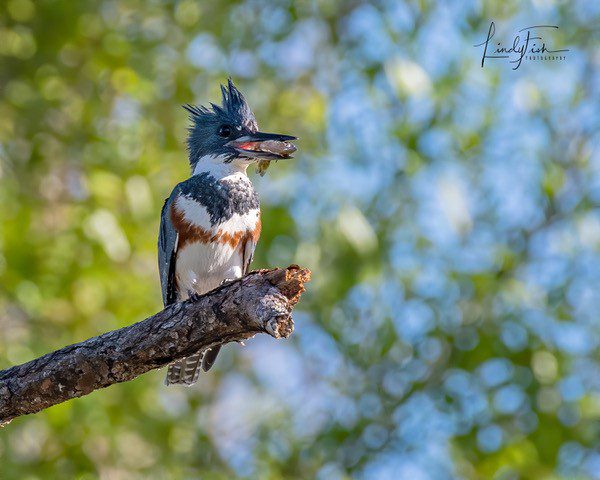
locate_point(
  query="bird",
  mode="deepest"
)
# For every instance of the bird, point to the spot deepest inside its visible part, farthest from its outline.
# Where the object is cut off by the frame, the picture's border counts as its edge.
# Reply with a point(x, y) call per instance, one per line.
point(210, 224)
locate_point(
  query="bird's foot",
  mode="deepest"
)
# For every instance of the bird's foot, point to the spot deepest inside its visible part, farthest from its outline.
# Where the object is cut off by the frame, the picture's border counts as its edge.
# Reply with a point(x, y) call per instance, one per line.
point(193, 296)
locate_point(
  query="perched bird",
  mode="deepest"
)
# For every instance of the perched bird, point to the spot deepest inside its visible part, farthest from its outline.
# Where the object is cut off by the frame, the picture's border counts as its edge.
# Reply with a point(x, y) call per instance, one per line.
point(210, 224)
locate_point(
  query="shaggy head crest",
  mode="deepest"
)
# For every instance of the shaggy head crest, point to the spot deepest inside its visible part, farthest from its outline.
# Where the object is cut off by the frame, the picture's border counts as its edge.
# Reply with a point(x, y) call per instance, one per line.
point(234, 112)
point(234, 108)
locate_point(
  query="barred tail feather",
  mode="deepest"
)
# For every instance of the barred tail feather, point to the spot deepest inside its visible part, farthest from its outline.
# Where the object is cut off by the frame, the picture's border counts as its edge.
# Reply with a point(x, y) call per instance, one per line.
point(184, 371)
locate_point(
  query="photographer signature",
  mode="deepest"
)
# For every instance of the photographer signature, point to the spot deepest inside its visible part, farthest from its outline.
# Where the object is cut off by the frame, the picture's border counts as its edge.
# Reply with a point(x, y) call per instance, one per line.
point(522, 48)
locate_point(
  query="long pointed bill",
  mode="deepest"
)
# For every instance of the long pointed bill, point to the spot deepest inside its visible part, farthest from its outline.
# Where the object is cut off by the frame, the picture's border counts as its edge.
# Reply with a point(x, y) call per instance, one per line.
point(264, 146)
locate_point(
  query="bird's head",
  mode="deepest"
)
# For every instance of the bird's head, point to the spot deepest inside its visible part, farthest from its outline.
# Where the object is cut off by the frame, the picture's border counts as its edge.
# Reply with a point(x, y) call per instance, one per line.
point(228, 134)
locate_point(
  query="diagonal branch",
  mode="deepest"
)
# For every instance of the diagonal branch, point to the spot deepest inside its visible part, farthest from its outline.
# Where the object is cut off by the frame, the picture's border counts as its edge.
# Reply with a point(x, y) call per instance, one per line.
point(262, 301)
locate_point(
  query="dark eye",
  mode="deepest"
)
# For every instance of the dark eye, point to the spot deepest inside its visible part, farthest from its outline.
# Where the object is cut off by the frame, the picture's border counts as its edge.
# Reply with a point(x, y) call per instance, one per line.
point(224, 131)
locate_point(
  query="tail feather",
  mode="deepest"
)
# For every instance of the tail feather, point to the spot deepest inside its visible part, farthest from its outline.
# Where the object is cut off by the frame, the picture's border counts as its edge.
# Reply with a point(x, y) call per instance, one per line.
point(184, 371)
point(209, 357)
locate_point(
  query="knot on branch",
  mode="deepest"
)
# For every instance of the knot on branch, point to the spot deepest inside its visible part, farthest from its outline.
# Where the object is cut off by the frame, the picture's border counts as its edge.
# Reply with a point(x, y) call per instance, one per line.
point(274, 314)
point(275, 307)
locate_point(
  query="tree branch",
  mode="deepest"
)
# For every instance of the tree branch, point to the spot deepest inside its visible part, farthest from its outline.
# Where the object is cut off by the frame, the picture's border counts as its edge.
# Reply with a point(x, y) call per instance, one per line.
point(261, 301)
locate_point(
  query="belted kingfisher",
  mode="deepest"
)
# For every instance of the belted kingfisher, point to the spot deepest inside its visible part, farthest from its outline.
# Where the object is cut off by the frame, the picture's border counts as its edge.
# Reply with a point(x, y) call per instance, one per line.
point(210, 224)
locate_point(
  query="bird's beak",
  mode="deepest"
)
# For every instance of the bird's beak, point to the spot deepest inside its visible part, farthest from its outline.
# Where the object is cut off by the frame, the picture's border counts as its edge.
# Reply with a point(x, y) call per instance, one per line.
point(264, 146)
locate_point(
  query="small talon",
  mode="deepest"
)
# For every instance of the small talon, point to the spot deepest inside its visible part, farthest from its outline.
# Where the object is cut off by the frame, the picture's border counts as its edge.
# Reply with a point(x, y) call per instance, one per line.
point(194, 296)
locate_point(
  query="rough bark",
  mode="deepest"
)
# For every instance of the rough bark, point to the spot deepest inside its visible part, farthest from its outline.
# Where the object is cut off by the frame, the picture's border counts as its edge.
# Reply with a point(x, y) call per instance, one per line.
point(261, 301)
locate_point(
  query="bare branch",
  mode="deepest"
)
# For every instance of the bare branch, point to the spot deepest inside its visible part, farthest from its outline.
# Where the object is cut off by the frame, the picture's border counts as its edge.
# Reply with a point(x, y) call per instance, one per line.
point(262, 301)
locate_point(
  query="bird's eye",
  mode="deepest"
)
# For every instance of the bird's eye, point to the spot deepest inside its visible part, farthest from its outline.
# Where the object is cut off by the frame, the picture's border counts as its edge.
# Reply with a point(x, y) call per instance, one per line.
point(224, 131)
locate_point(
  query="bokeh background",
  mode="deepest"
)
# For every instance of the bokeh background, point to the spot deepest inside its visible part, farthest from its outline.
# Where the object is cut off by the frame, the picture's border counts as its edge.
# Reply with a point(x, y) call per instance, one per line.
point(450, 214)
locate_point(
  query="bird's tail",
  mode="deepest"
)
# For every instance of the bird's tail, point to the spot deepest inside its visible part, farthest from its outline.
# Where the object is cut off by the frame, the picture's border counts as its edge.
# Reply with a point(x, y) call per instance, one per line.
point(184, 371)
point(187, 370)
point(208, 360)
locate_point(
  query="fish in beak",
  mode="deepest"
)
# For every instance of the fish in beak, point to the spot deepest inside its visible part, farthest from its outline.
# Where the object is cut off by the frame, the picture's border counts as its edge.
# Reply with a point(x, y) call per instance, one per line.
point(264, 147)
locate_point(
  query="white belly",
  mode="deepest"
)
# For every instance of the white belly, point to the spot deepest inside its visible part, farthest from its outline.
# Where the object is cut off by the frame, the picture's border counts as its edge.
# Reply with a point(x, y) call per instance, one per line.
point(202, 267)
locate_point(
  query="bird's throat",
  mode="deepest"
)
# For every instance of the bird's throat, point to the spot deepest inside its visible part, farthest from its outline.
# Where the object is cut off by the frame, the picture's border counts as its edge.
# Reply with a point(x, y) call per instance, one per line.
point(216, 166)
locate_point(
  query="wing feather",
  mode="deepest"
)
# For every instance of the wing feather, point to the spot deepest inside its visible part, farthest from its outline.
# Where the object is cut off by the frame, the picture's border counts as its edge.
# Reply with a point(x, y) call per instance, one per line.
point(249, 247)
point(167, 253)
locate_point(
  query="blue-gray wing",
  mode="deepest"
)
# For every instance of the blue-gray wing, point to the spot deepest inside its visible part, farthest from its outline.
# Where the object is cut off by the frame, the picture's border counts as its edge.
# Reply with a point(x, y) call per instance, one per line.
point(167, 253)
point(248, 255)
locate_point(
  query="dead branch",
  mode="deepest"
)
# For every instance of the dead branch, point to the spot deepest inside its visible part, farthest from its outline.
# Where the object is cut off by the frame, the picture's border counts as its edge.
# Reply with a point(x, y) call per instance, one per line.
point(262, 301)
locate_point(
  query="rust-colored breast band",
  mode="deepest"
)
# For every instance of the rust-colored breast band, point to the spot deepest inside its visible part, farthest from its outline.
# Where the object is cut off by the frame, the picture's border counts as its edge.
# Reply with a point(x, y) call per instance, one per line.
point(190, 233)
